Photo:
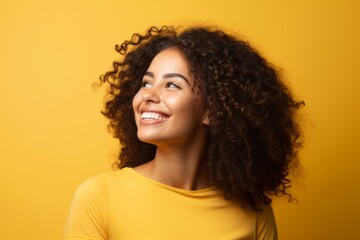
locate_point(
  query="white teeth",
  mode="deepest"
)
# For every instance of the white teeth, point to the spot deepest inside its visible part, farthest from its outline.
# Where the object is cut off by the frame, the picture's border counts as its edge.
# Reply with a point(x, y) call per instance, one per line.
point(152, 116)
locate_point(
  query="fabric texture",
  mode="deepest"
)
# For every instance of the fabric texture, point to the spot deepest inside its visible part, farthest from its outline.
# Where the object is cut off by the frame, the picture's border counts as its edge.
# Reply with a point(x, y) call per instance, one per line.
point(126, 205)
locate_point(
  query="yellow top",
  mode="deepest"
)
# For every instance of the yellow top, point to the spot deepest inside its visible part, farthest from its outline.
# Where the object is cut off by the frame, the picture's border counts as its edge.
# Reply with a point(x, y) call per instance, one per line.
point(126, 205)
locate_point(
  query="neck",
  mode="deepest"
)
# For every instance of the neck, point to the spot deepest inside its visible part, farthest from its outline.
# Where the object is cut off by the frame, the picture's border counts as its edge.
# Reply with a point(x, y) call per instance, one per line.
point(179, 165)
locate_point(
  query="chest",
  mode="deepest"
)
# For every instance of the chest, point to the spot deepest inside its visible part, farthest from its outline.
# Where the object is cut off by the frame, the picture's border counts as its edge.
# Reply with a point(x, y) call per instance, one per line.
point(146, 214)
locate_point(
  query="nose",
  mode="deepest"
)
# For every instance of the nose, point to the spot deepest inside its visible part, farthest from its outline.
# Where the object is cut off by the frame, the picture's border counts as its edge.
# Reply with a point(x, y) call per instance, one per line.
point(151, 95)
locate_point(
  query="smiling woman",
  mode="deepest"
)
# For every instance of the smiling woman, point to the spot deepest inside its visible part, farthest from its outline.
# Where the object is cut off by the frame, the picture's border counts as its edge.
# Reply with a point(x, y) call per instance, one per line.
point(208, 135)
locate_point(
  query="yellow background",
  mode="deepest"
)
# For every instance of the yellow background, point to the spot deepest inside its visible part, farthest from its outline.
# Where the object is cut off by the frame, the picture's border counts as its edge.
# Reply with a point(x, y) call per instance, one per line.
point(52, 136)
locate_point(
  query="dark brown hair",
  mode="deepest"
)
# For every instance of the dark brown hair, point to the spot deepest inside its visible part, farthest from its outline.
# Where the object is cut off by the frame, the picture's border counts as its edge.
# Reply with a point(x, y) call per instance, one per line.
point(253, 129)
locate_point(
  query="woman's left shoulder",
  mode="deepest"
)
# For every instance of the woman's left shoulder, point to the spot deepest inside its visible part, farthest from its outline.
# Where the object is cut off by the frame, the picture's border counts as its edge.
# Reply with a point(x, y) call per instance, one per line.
point(265, 223)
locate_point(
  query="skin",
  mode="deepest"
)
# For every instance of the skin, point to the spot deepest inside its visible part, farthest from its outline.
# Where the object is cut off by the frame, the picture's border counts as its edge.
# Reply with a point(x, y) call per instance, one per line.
point(171, 116)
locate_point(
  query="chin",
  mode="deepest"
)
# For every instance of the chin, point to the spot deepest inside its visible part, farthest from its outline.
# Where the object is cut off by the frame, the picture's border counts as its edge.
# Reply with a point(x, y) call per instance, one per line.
point(148, 139)
point(156, 139)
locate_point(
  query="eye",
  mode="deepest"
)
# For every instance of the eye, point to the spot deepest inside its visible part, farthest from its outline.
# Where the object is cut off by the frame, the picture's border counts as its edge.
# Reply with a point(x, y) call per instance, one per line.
point(172, 85)
point(146, 84)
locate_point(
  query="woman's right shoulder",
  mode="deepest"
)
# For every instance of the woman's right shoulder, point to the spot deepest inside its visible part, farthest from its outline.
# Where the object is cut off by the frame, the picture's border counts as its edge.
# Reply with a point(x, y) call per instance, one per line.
point(99, 184)
point(88, 215)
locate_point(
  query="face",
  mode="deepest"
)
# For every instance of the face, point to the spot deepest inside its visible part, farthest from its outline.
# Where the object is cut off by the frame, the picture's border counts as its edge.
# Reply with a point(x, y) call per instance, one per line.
point(166, 108)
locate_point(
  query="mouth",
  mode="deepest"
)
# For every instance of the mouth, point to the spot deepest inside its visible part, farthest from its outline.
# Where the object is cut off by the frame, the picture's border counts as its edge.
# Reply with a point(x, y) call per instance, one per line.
point(153, 116)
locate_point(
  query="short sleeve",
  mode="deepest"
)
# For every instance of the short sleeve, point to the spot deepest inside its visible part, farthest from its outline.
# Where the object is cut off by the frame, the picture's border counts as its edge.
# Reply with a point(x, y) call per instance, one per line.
point(89, 210)
point(265, 224)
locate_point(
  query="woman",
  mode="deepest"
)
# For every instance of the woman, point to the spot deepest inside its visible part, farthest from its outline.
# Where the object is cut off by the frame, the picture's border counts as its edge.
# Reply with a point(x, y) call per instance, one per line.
point(208, 133)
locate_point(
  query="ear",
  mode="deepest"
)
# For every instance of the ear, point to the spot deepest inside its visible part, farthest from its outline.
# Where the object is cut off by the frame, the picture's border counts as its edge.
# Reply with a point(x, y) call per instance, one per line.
point(206, 118)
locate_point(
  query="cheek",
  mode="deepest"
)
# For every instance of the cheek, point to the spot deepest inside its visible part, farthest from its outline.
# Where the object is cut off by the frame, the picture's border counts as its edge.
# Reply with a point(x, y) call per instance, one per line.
point(136, 100)
point(189, 107)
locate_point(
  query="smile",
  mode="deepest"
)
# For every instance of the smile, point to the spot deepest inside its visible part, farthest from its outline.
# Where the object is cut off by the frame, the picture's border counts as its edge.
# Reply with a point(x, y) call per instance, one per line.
point(153, 116)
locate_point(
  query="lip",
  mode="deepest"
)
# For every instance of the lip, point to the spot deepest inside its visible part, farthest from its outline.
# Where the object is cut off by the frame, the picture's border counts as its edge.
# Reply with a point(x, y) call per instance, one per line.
point(153, 121)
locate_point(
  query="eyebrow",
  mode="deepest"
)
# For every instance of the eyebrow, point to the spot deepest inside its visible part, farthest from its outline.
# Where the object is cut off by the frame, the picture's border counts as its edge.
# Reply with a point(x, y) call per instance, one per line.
point(168, 75)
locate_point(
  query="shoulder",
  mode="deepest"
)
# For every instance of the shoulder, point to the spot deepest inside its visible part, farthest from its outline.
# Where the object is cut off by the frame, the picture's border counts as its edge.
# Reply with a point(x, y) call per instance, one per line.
point(100, 183)
point(88, 216)
point(265, 223)
point(91, 194)
point(93, 186)
point(101, 187)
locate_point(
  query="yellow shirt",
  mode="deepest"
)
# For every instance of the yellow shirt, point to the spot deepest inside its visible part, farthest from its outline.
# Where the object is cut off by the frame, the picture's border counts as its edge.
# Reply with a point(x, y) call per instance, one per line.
point(126, 205)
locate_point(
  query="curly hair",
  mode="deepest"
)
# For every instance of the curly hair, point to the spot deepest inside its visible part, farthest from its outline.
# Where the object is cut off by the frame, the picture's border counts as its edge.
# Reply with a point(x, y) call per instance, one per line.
point(254, 134)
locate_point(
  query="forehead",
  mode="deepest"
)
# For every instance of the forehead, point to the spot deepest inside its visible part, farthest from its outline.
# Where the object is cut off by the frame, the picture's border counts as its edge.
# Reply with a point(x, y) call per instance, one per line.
point(170, 60)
